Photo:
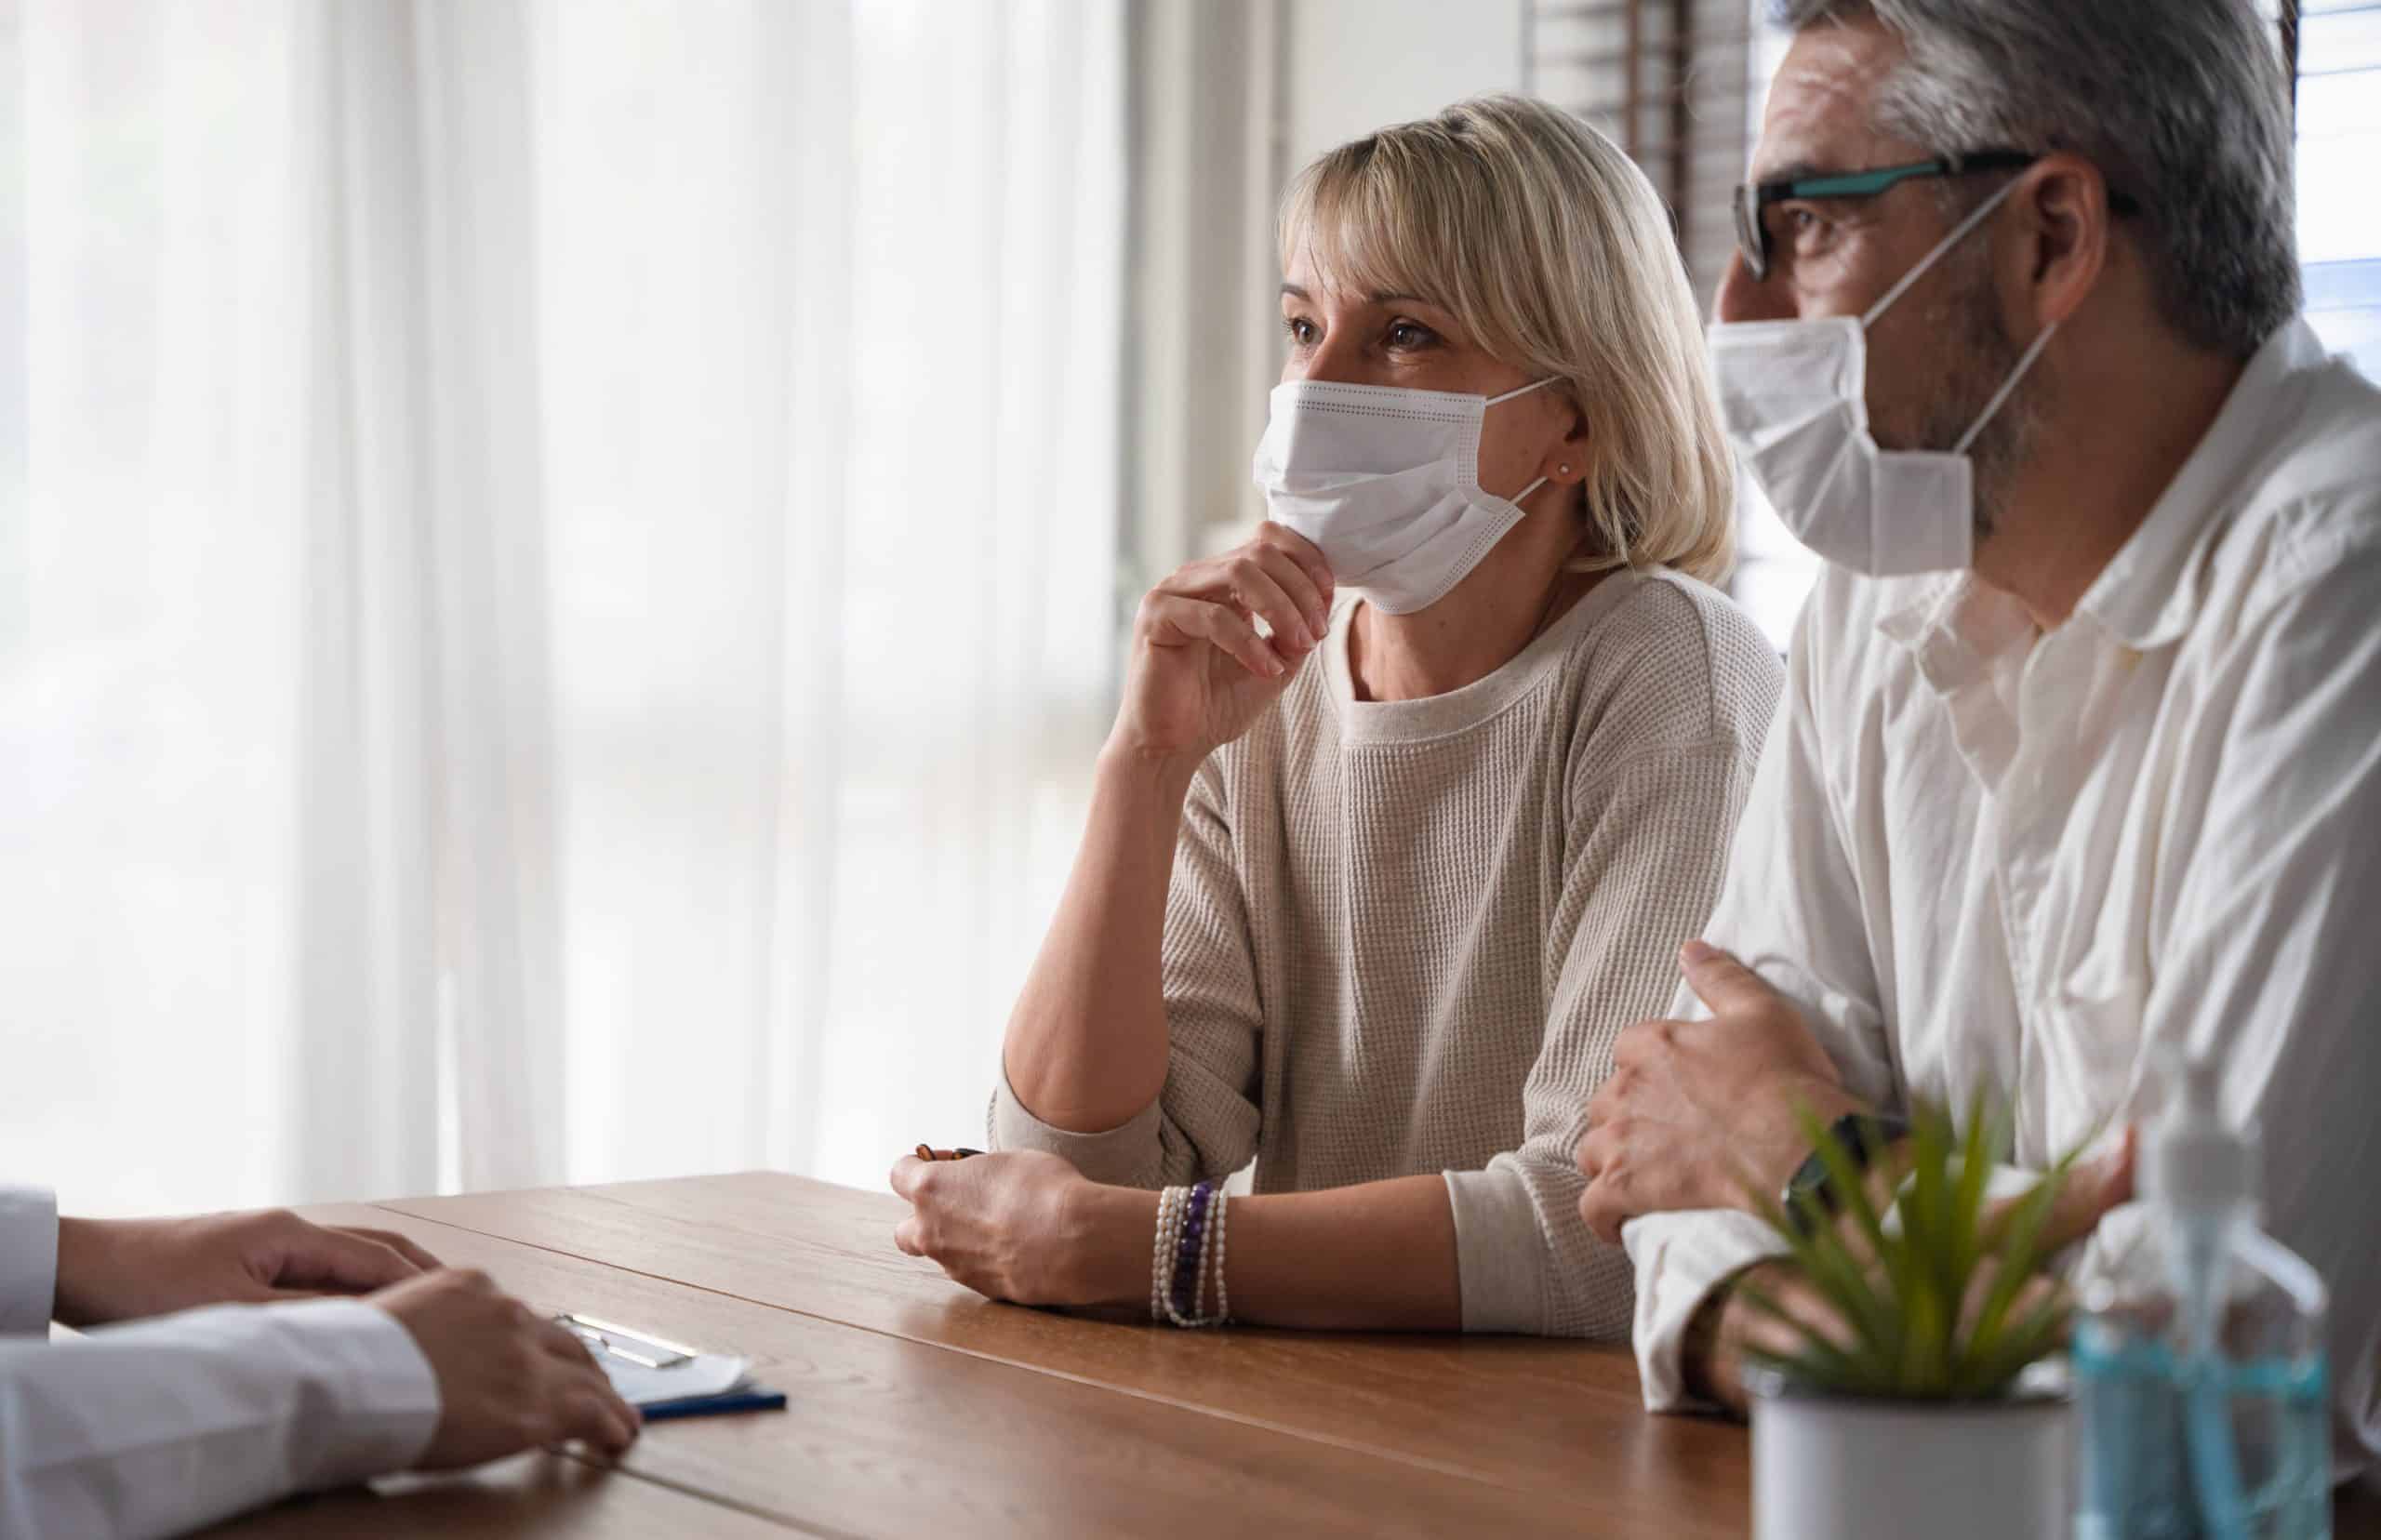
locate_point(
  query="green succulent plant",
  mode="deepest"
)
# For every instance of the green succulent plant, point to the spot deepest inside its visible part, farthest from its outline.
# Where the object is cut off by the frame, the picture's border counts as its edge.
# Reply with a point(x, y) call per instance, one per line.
point(1900, 1286)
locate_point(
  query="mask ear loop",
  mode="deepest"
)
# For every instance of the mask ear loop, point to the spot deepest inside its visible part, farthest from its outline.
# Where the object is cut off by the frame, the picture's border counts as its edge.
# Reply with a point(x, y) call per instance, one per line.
point(1983, 209)
point(1535, 384)
point(2024, 361)
point(1532, 385)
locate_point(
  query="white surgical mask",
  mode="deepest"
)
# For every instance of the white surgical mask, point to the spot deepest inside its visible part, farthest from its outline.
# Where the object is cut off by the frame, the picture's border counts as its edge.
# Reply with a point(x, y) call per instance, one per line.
point(1385, 482)
point(1794, 393)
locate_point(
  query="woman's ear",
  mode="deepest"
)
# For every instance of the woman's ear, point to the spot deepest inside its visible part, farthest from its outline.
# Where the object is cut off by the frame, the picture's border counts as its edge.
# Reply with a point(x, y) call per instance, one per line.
point(1566, 463)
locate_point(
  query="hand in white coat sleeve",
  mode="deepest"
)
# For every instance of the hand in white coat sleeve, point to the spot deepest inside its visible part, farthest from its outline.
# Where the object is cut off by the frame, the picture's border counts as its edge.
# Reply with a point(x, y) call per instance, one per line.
point(28, 1260)
point(162, 1426)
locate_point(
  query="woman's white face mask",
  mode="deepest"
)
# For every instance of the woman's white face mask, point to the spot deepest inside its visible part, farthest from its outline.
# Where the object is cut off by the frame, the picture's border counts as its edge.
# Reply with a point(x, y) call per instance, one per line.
point(1385, 482)
point(1795, 397)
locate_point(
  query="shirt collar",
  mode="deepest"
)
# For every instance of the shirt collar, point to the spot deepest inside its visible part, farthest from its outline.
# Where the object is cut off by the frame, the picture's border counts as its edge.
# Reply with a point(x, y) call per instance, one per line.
point(1956, 624)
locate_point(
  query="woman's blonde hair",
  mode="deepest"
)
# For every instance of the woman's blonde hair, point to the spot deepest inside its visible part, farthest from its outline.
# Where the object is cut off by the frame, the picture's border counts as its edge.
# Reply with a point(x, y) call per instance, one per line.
point(1553, 251)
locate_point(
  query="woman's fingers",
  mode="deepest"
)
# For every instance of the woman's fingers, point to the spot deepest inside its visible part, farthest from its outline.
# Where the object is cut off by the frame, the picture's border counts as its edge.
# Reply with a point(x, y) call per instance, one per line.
point(1257, 578)
point(1277, 574)
point(1298, 583)
point(909, 1174)
point(1172, 619)
point(1249, 582)
point(1298, 549)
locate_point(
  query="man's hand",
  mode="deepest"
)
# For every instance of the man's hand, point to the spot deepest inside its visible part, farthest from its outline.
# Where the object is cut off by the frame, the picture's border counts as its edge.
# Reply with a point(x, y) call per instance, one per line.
point(1695, 1109)
point(509, 1379)
point(121, 1270)
point(1729, 1323)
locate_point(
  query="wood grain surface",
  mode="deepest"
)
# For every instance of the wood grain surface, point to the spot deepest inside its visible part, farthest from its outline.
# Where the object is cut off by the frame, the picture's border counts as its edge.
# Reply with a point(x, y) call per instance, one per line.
point(915, 1408)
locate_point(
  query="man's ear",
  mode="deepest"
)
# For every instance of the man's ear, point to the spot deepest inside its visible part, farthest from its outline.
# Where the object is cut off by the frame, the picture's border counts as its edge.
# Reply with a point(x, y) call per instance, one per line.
point(2062, 235)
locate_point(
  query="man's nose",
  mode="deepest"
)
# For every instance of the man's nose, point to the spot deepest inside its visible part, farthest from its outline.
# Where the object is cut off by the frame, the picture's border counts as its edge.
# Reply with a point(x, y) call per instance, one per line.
point(1743, 298)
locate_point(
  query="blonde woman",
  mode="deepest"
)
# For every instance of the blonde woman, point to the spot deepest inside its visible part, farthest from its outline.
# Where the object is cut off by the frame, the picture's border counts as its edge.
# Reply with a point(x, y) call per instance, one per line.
point(1410, 799)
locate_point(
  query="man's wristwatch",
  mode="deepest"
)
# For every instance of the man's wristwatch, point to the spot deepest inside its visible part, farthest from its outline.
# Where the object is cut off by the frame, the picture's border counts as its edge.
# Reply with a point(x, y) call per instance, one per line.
point(1864, 1136)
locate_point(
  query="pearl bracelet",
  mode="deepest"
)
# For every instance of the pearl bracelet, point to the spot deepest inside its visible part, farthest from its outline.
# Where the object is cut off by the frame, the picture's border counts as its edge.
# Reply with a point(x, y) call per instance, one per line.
point(1169, 1222)
point(1189, 1242)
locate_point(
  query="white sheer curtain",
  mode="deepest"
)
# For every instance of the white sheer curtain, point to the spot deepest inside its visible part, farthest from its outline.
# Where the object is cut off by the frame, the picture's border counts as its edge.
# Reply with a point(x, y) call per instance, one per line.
point(555, 578)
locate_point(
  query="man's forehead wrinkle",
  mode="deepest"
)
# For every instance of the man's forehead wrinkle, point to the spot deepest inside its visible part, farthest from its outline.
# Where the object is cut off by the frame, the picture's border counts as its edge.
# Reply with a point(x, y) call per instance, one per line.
point(1821, 103)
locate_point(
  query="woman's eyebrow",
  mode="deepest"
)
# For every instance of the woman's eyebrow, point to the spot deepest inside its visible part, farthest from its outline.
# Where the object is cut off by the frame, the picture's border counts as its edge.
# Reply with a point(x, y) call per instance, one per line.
point(1381, 297)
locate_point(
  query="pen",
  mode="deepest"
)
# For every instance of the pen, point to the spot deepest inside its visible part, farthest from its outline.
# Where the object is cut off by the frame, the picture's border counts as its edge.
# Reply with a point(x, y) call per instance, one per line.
point(704, 1406)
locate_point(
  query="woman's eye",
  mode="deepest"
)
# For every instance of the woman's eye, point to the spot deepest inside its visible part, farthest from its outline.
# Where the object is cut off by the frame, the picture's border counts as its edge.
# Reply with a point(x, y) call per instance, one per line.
point(1406, 334)
point(1301, 330)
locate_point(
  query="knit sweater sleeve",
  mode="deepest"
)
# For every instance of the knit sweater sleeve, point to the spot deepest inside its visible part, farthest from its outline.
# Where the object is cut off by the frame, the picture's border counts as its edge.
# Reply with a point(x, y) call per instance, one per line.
point(1646, 843)
point(1205, 1121)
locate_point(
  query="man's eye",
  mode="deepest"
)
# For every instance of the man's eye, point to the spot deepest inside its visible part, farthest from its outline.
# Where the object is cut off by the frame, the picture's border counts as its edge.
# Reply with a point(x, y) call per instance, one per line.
point(1800, 223)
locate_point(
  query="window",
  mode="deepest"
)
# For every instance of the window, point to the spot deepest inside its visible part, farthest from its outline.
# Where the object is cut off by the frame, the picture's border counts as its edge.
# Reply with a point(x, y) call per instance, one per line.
point(2338, 48)
point(1678, 84)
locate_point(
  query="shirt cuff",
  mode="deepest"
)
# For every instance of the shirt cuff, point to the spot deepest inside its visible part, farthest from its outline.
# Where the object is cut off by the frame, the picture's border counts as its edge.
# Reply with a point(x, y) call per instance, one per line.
point(1498, 1249)
point(1680, 1257)
point(381, 1390)
point(1129, 1155)
point(28, 1260)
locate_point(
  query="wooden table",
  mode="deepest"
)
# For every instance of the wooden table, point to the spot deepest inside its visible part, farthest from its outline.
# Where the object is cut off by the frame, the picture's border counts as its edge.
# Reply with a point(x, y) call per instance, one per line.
point(916, 1408)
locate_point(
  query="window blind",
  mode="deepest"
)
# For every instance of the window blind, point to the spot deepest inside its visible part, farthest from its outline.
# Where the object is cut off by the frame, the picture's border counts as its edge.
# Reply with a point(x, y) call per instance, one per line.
point(1671, 80)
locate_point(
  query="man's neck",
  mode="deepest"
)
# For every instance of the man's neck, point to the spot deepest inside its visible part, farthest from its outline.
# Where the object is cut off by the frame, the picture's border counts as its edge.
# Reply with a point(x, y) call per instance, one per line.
point(2119, 435)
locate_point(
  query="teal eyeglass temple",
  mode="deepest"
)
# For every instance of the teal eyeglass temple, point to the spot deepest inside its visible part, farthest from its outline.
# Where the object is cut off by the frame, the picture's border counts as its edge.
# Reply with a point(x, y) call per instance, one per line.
point(1751, 199)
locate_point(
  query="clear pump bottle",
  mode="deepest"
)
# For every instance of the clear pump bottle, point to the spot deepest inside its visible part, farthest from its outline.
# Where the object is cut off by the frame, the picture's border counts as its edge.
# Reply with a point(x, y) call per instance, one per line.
point(2199, 1377)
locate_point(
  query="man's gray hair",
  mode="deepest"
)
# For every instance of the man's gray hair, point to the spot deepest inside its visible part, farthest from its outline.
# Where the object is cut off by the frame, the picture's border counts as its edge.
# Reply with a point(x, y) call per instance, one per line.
point(2182, 104)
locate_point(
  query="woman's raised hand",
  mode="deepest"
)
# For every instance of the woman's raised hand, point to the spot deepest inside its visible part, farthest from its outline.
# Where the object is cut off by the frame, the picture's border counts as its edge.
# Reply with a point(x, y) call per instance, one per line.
point(1200, 673)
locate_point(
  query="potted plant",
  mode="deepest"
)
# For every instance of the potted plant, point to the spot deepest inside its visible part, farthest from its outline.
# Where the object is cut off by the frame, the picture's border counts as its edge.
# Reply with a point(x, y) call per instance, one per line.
point(1935, 1407)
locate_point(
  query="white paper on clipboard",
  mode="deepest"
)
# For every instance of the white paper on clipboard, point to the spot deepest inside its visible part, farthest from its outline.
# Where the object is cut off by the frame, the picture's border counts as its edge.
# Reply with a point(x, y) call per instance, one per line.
point(647, 1370)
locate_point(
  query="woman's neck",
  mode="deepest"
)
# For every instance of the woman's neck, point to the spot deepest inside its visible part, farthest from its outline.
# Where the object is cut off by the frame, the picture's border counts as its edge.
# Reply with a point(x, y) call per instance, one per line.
point(1518, 591)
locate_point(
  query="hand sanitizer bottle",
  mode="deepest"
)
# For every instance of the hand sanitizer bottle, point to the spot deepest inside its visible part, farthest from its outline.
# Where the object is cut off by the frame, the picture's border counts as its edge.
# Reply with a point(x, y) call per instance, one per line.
point(2199, 1373)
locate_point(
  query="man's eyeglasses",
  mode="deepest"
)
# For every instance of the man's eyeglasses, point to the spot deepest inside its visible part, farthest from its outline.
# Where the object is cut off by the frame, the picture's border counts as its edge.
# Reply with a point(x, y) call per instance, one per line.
point(1754, 198)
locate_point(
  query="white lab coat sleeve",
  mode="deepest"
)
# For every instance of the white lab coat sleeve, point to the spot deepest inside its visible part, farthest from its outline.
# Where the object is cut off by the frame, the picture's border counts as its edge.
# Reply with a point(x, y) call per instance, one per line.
point(162, 1426)
point(27, 1259)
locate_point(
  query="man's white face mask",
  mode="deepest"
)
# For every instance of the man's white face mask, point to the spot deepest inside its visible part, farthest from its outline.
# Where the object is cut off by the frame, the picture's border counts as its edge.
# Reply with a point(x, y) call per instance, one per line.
point(1385, 482)
point(1794, 393)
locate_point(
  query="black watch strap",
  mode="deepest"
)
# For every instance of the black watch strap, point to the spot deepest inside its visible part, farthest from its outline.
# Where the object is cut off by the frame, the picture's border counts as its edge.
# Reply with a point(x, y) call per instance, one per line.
point(1865, 1136)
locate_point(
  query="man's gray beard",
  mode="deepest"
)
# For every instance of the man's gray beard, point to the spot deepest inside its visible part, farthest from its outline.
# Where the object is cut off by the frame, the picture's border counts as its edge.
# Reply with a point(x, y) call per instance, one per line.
point(1980, 354)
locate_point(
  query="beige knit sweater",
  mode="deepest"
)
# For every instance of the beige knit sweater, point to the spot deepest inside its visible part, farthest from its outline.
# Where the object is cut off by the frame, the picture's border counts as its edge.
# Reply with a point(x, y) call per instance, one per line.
point(1402, 936)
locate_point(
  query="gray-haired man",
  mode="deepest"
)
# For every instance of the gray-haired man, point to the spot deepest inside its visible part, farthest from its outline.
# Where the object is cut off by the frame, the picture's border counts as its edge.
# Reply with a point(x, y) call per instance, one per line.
point(2079, 757)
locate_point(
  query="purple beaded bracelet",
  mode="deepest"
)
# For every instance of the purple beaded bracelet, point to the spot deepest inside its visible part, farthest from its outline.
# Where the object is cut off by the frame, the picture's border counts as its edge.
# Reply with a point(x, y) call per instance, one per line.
point(1185, 1288)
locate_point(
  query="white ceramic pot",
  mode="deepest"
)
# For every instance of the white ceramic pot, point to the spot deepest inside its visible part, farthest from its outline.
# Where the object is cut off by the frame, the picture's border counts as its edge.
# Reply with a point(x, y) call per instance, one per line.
point(1831, 1467)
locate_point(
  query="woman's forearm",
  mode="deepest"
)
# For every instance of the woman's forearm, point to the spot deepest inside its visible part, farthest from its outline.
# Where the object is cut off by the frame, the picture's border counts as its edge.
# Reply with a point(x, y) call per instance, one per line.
point(1377, 1256)
point(1086, 1045)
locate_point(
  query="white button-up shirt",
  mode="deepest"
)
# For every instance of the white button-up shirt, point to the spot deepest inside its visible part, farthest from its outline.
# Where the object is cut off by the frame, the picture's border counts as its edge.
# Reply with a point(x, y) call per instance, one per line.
point(162, 1426)
point(1981, 856)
